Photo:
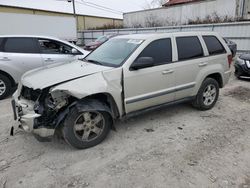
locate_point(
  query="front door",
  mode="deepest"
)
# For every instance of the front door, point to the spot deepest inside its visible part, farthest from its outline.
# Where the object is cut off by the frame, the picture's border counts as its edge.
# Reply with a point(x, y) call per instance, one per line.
point(154, 85)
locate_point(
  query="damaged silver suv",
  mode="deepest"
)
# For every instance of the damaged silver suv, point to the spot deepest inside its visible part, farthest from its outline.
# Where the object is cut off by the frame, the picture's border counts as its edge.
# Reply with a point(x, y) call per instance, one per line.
point(126, 75)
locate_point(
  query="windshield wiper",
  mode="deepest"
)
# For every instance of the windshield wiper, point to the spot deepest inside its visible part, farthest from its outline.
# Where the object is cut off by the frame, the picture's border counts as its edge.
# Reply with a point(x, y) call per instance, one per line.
point(94, 61)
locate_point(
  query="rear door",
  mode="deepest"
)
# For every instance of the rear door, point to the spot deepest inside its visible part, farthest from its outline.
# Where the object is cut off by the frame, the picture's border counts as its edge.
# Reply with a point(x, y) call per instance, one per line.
point(191, 59)
point(20, 54)
point(53, 51)
point(151, 86)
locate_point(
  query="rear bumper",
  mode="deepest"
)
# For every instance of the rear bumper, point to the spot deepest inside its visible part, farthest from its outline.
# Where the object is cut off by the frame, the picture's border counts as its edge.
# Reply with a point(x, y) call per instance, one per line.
point(25, 118)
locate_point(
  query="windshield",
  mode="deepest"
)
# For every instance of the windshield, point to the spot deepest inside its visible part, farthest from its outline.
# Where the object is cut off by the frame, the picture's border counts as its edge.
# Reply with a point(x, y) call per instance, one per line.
point(114, 52)
point(101, 39)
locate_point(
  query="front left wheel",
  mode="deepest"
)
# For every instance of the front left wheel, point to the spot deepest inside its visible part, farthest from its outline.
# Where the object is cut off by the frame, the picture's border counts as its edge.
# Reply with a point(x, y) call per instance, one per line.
point(83, 128)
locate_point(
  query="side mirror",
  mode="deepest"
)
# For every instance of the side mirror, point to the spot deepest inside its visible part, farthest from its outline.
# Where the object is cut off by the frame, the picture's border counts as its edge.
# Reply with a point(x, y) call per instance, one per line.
point(142, 62)
point(74, 51)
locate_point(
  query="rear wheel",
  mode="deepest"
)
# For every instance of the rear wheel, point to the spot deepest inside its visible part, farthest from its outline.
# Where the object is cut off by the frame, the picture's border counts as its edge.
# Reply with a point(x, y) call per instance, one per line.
point(5, 87)
point(83, 128)
point(207, 95)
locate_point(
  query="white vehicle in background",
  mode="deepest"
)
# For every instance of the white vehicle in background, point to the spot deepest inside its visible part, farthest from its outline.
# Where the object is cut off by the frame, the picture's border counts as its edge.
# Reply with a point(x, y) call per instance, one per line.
point(19, 54)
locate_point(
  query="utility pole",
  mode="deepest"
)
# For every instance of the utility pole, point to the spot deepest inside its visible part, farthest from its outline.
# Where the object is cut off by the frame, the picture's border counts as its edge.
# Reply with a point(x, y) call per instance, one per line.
point(74, 12)
point(74, 8)
point(243, 10)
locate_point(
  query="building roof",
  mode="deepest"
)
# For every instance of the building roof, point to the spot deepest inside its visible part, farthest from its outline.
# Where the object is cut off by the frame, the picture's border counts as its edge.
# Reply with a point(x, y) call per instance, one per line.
point(61, 6)
point(175, 2)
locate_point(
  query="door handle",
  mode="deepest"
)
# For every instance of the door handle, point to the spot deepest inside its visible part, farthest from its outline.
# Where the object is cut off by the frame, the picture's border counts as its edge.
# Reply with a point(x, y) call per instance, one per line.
point(49, 60)
point(167, 72)
point(202, 64)
point(5, 59)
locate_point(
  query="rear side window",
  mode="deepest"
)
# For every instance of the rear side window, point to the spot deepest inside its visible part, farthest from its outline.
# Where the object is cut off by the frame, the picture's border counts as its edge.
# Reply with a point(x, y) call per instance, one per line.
point(213, 45)
point(1, 41)
point(189, 48)
point(159, 50)
point(20, 45)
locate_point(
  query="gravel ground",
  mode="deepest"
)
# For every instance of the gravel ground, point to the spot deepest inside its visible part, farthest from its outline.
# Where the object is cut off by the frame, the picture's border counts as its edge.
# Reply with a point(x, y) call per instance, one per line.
point(172, 147)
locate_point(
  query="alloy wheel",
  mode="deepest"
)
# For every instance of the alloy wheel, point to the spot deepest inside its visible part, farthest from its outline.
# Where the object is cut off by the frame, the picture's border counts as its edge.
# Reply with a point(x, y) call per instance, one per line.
point(89, 126)
point(2, 87)
point(209, 95)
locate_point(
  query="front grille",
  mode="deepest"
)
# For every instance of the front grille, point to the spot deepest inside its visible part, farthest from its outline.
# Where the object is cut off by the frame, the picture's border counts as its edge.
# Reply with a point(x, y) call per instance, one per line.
point(30, 94)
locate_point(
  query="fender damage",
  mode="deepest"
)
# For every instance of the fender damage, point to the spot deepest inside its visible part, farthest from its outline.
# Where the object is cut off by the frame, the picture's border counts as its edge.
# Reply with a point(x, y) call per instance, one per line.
point(53, 103)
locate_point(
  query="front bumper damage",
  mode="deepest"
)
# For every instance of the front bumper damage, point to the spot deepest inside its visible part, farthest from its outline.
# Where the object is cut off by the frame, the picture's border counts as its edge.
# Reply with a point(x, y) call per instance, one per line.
point(27, 120)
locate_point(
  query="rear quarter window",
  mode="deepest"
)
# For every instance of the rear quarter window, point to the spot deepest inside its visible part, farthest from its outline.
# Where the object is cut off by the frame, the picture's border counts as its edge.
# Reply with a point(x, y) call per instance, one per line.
point(214, 46)
point(189, 48)
point(21, 45)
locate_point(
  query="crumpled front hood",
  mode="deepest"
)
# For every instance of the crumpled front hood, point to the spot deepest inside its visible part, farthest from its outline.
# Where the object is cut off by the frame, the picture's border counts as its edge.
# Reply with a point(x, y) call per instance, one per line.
point(58, 73)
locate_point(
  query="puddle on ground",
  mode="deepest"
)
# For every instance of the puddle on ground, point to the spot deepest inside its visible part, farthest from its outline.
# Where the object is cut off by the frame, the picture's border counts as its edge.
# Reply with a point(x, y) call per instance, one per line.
point(240, 93)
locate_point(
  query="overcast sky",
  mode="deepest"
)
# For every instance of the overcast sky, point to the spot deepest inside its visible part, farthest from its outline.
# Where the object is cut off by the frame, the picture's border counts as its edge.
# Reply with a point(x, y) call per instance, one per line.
point(82, 6)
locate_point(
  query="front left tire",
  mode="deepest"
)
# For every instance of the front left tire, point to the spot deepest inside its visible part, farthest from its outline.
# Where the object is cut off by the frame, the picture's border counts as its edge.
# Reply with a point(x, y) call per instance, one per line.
point(83, 128)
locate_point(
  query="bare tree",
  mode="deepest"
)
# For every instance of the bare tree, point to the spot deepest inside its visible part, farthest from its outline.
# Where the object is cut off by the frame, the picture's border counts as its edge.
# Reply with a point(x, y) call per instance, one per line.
point(158, 3)
point(149, 4)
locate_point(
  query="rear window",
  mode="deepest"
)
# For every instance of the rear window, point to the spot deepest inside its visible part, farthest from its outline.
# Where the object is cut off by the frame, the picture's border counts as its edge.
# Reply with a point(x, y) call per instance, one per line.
point(213, 45)
point(20, 45)
point(159, 50)
point(189, 48)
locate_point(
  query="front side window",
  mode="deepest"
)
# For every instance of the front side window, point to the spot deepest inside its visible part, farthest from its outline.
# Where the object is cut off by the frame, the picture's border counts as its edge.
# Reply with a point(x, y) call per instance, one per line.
point(114, 52)
point(20, 45)
point(54, 47)
point(159, 50)
point(189, 48)
point(213, 45)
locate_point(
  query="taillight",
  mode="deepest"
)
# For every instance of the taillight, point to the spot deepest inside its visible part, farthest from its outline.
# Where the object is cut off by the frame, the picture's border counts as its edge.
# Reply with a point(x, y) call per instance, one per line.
point(230, 60)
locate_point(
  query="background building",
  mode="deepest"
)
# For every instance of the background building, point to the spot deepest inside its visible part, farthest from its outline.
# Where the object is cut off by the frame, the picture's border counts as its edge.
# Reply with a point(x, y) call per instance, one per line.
point(178, 12)
point(92, 19)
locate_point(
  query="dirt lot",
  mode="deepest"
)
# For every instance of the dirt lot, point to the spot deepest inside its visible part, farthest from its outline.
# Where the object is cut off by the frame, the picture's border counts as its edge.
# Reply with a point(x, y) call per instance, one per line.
point(172, 147)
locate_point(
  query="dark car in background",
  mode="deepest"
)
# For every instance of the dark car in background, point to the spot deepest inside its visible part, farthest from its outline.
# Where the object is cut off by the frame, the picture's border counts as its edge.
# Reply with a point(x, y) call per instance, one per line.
point(232, 46)
point(242, 66)
point(100, 40)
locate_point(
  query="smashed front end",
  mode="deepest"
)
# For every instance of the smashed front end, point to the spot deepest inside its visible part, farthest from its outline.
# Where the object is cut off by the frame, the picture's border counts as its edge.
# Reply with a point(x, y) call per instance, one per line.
point(39, 111)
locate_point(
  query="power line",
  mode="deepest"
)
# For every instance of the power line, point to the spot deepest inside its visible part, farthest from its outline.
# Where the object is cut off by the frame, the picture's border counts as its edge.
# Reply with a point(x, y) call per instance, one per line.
point(100, 7)
point(96, 6)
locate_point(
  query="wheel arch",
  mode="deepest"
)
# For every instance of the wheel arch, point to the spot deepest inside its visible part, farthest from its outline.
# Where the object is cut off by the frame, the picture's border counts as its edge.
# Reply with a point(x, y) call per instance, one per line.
point(92, 101)
point(218, 77)
point(108, 99)
point(13, 83)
